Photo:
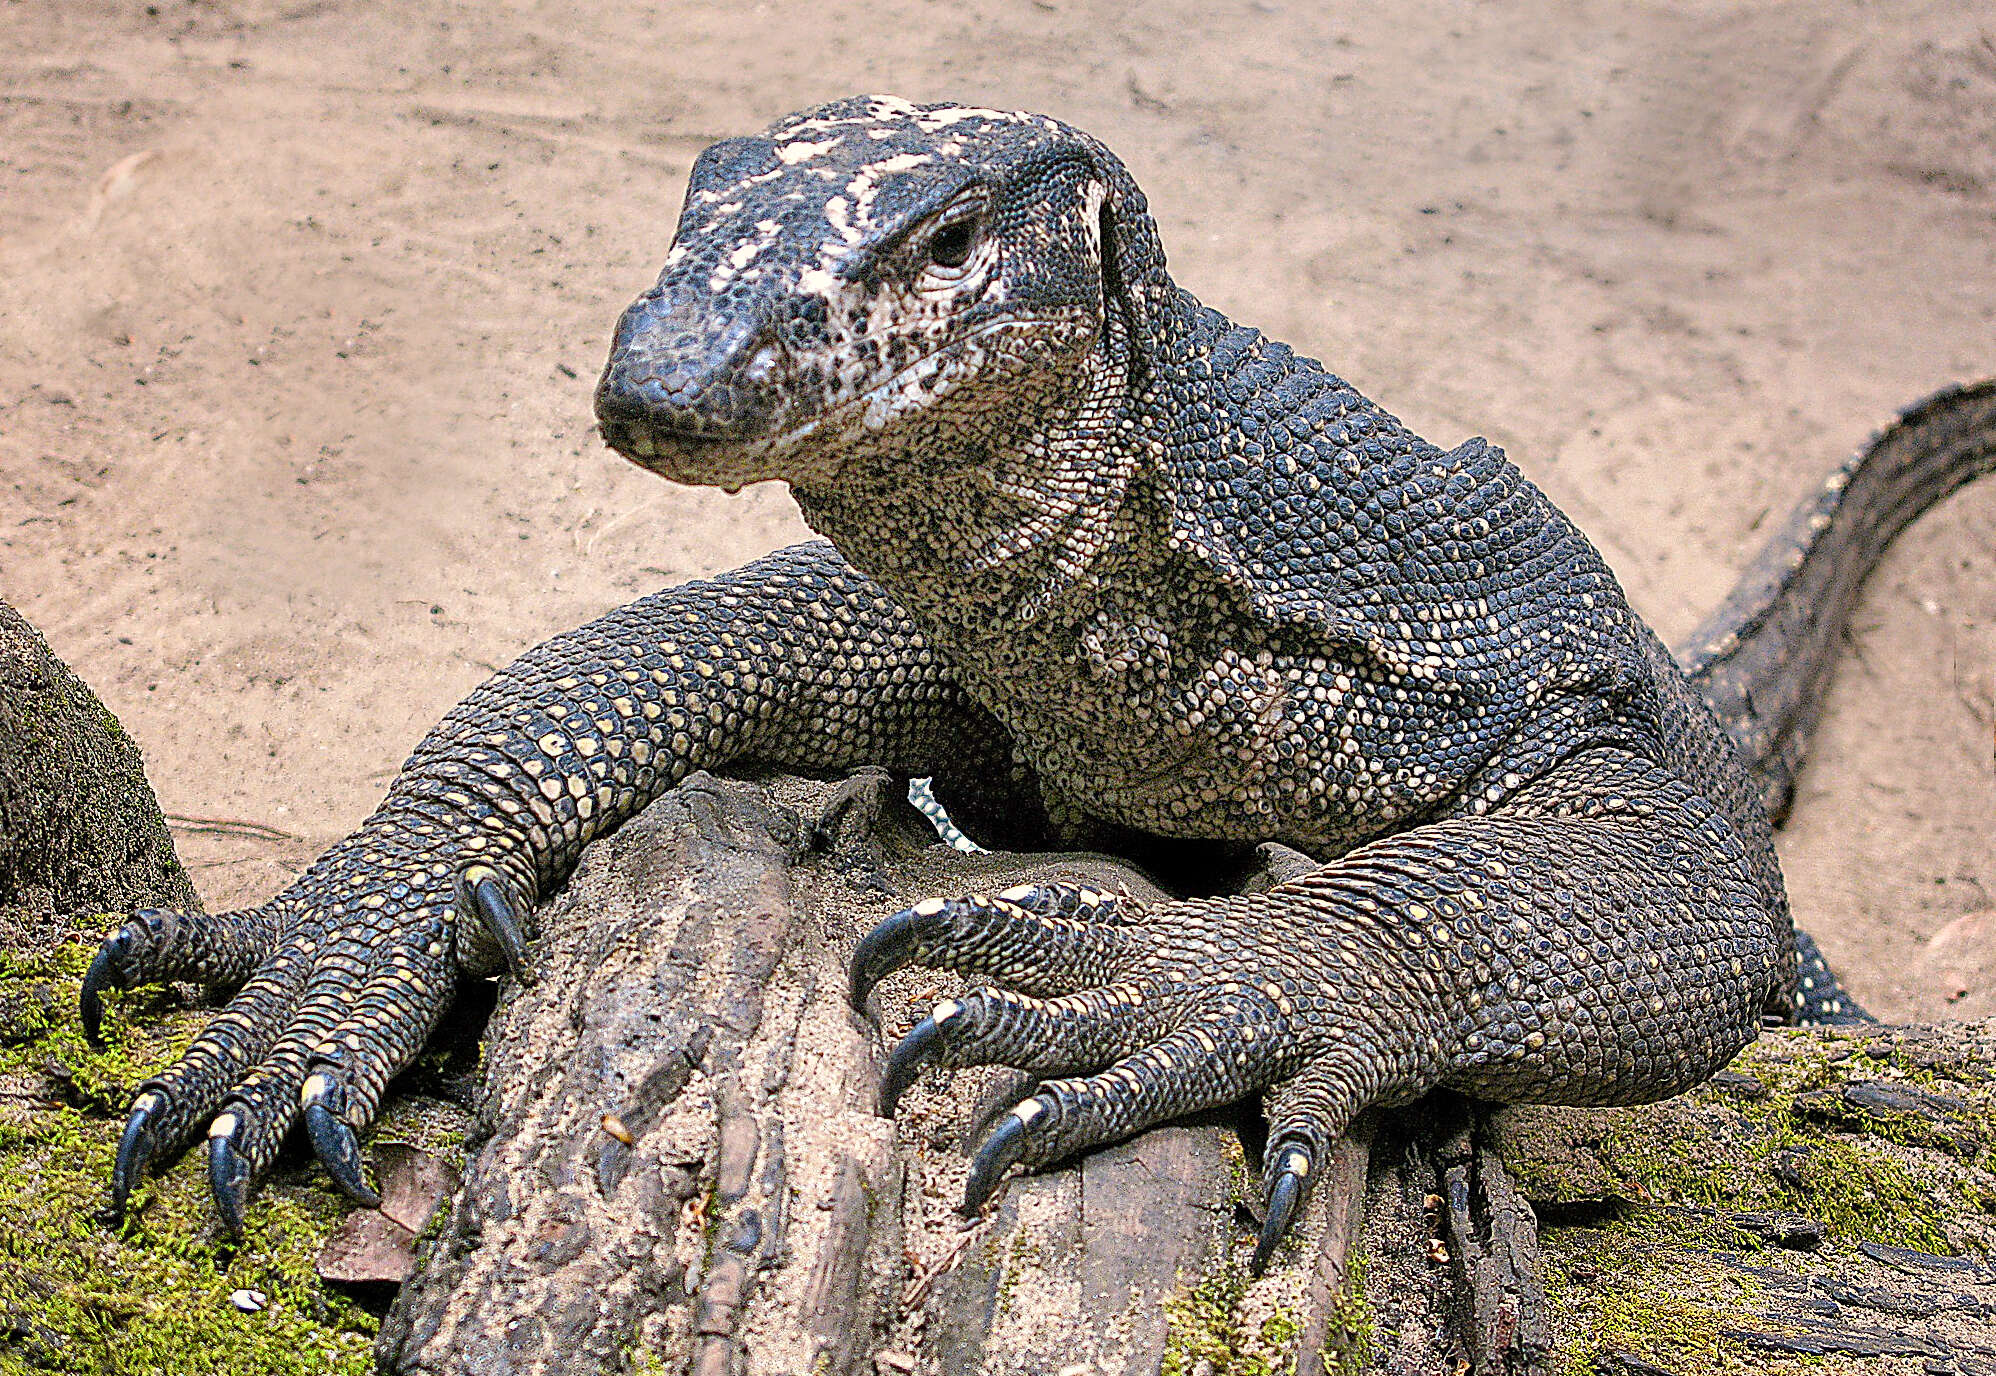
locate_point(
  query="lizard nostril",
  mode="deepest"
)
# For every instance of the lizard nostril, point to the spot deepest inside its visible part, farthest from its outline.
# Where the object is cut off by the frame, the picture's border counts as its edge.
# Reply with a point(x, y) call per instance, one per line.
point(620, 400)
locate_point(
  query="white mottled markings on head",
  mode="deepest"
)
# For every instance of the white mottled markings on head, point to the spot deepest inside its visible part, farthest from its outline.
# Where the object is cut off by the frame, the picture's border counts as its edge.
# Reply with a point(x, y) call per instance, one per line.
point(932, 120)
point(818, 282)
point(803, 149)
point(1091, 225)
point(837, 213)
point(900, 162)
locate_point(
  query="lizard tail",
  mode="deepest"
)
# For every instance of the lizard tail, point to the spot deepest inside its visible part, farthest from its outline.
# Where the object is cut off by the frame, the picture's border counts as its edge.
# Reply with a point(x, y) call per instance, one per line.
point(1763, 660)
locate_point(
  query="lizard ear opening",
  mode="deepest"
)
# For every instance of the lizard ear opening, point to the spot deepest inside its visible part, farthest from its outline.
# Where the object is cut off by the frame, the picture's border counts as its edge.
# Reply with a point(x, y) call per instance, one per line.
point(1132, 256)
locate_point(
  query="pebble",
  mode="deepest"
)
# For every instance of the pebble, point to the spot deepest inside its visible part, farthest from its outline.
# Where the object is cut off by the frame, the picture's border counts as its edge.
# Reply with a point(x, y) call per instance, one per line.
point(249, 1301)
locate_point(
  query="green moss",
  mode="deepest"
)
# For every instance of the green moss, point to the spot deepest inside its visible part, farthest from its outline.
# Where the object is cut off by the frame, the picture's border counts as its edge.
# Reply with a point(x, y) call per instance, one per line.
point(1208, 1331)
point(152, 1296)
point(1199, 1323)
point(1281, 1330)
point(645, 1362)
point(1863, 1195)
point(1664, 1312)
point(1645, 1273)
point(1348, 1348)
point(1021, 1253)
point(1205, 1334)
point(1771, 1158)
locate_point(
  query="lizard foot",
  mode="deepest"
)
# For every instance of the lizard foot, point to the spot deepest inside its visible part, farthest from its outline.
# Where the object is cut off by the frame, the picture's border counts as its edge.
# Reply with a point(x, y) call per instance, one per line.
point(1132, 1020)
point(342, 978)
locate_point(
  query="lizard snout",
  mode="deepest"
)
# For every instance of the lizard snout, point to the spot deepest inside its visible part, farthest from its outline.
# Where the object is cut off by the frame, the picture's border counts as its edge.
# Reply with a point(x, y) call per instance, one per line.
point(685, 367)
point(689, 392)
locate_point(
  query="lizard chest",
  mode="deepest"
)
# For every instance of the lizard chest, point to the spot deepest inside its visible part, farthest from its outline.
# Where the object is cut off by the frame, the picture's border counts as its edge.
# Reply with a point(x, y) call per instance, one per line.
point(1162, 725)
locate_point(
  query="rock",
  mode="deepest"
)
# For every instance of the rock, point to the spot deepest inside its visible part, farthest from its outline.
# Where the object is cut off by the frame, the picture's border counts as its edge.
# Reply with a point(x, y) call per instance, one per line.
point(80, 830)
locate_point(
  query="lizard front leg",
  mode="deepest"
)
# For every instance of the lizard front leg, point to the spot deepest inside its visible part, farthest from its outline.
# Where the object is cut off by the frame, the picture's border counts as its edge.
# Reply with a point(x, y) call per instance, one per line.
point(795, 661)
point(1598, 939)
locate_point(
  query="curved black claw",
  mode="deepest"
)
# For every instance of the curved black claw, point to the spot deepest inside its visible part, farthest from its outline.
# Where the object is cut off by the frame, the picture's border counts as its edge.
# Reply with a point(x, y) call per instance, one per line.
point(921, 1047)
point(136, 1145)
point(109, 970)
point(884, 950)
point(333, 1138)
point(1286, 1188)
point(1001, 1150)
point(482, 896)
point(228, 1171)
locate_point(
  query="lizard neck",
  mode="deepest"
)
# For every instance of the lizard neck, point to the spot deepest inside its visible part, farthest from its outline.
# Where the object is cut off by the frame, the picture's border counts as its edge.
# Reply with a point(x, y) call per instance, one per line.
point(998, 524)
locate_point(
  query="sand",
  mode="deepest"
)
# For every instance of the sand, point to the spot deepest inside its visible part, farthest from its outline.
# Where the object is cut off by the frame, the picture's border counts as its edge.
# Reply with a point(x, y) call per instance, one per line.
point(301, 305)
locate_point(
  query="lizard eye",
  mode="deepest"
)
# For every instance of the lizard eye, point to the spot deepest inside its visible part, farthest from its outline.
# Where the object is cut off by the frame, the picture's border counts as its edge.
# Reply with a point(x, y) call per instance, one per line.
point(950, 246)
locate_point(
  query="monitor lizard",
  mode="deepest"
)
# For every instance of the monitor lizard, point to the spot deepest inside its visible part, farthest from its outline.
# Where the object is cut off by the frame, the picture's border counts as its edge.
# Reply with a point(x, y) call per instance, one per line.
point(1114, 572)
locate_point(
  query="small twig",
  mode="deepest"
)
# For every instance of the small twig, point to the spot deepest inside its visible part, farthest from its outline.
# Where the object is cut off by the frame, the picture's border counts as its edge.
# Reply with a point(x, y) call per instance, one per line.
point(918, 1288)
point(228, 826)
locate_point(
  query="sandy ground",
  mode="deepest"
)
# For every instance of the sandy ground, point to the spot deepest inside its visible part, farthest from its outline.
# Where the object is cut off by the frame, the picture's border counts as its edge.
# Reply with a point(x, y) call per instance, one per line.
point(302, 302)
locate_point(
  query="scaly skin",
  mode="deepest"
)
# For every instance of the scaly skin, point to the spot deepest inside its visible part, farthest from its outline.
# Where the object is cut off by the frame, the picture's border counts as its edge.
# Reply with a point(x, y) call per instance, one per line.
point(1118, 572)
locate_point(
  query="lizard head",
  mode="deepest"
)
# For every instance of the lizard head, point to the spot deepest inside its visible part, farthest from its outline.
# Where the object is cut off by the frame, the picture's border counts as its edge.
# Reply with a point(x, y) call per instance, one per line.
point(867, 273)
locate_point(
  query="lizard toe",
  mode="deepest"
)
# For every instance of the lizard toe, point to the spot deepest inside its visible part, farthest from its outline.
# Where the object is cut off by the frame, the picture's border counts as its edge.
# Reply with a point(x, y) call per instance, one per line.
point(1288, 1181)
point(136, 1144)
point(229, 1168)
point(1306, 1114)
point(154, 945)
point(486, 899)
point(324, 1102)
point(1058, 1036)
point(1037, 938)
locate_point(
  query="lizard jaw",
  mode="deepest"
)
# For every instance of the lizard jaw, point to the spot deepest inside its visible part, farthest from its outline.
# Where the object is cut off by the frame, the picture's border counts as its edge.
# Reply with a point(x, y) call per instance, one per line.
point(684, 445)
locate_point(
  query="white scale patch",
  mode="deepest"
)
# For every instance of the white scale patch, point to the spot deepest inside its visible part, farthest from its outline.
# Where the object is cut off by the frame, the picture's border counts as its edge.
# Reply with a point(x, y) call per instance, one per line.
point(804, 149)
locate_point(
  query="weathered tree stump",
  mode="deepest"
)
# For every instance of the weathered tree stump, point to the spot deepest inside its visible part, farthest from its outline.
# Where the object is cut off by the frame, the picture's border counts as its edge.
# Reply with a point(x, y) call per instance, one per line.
point(675, 1168)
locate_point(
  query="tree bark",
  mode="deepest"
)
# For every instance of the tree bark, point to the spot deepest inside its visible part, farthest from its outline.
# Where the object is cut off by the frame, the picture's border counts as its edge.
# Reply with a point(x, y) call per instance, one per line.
point(675, 1168)
point(80, 830)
